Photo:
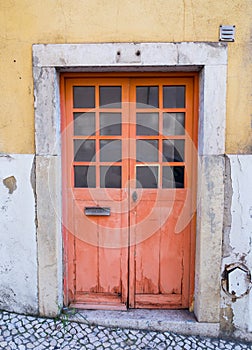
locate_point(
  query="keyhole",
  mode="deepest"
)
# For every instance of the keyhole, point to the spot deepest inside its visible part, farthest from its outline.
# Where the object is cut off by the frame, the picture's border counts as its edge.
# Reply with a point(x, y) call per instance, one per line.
point(134, 196)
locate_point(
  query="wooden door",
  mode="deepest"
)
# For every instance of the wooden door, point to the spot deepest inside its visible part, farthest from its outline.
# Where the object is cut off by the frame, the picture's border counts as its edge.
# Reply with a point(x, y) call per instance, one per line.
point(161, 171)
point(127, 171)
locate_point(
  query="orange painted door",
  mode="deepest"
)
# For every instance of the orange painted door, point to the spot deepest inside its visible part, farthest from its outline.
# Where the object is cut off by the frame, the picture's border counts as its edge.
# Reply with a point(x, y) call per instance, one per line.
point(161, 166)
point(128, 167)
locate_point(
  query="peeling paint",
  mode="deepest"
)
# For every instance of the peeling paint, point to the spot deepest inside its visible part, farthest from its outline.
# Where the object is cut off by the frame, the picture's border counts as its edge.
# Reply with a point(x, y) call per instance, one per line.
point(11, 183)
point(227, 218)
point(18, 265)
point(236, 314)
point(6, 156)
point(33, 176)
point(226, 319)
point(7, 296)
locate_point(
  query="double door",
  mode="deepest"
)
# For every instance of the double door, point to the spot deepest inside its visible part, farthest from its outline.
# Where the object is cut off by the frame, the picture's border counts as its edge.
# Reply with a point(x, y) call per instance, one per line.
point(128, 171)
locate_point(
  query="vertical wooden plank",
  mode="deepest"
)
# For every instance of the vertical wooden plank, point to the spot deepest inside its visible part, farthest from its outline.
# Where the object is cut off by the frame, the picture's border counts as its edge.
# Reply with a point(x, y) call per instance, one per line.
point(109, 253)
point(171, 256)
point(147, 251)
point(86, 254)
point(86, 267)
point(147, 265)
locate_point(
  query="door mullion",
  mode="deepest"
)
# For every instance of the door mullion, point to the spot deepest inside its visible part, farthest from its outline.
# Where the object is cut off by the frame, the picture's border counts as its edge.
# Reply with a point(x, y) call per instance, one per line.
point(132, 213)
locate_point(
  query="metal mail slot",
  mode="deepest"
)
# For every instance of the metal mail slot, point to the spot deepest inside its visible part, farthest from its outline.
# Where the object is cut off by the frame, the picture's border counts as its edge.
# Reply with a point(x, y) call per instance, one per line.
point(97, 211)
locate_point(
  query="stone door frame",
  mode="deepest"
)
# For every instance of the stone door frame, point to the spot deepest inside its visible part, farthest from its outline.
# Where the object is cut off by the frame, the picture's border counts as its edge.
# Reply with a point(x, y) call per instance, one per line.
point(210, 60)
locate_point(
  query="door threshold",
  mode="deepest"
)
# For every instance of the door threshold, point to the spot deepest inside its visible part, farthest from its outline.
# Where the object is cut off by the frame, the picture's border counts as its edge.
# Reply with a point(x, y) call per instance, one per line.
point(177, 321)
point(102, 306)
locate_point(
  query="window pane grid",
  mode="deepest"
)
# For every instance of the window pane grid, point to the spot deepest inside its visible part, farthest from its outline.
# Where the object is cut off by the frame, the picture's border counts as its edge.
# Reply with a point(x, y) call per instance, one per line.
point(160, 108)
point(169, 167)
point(101, 170)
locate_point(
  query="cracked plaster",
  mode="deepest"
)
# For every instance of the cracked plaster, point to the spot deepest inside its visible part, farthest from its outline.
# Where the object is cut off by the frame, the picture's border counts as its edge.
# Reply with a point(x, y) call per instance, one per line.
point(18, 266)
point(237, 239)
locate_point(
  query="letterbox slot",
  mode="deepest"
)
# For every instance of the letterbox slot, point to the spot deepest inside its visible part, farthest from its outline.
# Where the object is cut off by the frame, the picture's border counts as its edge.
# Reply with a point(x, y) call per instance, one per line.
point(97, 211)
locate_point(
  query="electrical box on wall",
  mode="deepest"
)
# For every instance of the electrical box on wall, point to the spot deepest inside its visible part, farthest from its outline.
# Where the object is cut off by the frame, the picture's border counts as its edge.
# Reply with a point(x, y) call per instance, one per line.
point(236, 280)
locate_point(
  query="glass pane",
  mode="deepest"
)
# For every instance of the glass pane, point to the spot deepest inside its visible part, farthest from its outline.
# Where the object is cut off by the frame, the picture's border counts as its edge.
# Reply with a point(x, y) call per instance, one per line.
point(84, 176)
point(147, 176)
point(110, 150)
point(147, 96)
point(147, 124)
point(174, 124)
point(147, 150)
point(174, 96)
point(84, 150)
point(110, 176)
point(110, 95)
point(173, 177)
point(84, 96)
point(173, 150)
point(84, 124)
point(110, 124)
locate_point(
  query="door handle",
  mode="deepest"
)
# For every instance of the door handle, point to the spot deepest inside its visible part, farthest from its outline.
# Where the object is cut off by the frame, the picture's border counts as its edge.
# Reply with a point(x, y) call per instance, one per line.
point(134, 196)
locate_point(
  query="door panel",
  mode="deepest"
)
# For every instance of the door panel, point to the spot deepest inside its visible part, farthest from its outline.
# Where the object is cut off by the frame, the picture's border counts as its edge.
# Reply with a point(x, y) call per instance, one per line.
point(95, 169)
point(160, 171)
point(127, 158)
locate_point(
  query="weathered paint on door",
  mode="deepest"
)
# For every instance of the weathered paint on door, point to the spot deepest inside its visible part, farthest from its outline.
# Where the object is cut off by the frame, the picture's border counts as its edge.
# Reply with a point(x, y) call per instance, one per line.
point(128, 153)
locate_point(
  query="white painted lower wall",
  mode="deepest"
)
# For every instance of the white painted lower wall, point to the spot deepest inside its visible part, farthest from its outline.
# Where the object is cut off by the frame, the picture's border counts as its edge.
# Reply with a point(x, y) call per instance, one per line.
point(237, 243)
point(18, 248)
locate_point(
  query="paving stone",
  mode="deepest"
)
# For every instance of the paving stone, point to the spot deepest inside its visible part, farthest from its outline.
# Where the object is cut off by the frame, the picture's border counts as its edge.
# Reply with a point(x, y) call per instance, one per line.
point(178, 347)
point(13, 346)
point(53, 342)
point(84, 341)
point(21, 347)
point(6, 333)
point(104, 339)
point(90, 346)
point(209, 345)
point(39, 347)
point(14, 331)
point(88, 331)
point(106, 344)
point(156, 340)
point(132, 336)
point(161, 337)
point(17, 340)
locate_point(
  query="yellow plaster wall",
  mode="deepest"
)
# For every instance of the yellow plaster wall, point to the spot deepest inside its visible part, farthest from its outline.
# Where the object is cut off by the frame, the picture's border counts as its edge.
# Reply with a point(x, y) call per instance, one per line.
point(24, 22)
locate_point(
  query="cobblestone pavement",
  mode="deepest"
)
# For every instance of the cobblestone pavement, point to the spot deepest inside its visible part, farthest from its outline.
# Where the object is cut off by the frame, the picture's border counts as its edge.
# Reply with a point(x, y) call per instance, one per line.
point(27, 332)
